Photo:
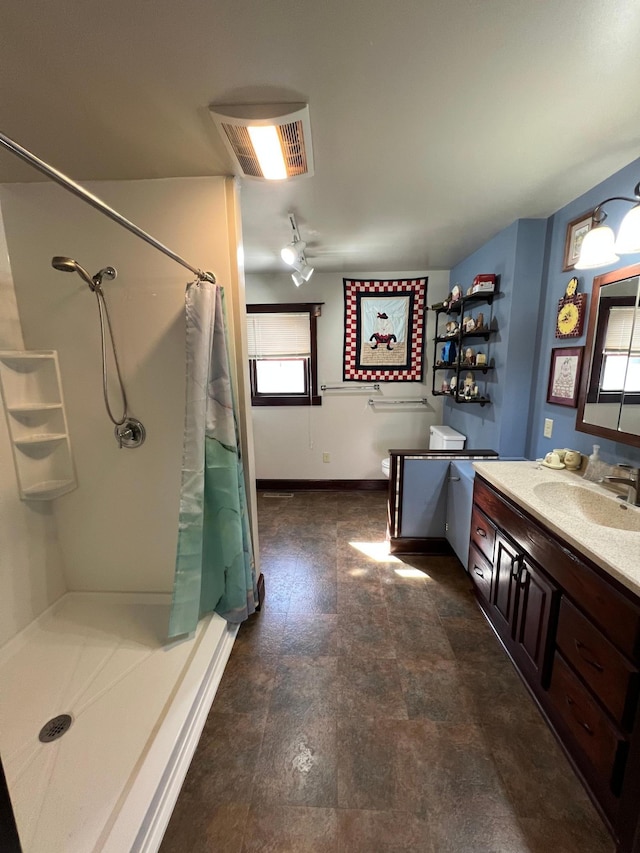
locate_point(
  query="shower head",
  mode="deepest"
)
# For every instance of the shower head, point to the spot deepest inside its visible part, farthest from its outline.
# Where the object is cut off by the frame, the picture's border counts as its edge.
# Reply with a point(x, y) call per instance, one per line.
point(69, 265)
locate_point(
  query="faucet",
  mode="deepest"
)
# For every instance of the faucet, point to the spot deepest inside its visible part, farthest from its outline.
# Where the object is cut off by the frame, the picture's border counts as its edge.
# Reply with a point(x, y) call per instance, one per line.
point(632, 481)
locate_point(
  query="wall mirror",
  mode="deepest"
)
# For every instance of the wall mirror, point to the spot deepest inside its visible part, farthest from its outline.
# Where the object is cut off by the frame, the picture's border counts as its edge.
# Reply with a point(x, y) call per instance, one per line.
point(609, 401)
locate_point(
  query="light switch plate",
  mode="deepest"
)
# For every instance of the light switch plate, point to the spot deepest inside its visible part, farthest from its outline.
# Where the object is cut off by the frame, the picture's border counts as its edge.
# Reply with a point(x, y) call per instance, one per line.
point(548, 427)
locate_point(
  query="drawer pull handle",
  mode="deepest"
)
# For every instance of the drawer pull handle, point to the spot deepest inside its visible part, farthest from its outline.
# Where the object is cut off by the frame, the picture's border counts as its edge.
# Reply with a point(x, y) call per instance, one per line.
point(580, 722)
point(582, 649)
point(478, 571)
point(481, 532)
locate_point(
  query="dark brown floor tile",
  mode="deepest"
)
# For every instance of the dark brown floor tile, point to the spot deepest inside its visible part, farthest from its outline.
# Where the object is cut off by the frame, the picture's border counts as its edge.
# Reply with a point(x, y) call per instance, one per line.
point(354, 567)
point(311, 635)
point(468, 829)
point(200, 826)
point(472, 639)
point(563, 836)
point(531, 765)
point(497, 697)
point(262, 632)
point(365, 635)
point(445, 764)
point(409, 595)
point(433, 690)
point(362, 595)
point(361, 831)
point(314, 596)
point(298, 762)
point(368, 771)
point(417, 637)
point(370, 688)
point(290, 829)
point(227, 756)
point(318, 564)
point(305, 685)
point(246, 686)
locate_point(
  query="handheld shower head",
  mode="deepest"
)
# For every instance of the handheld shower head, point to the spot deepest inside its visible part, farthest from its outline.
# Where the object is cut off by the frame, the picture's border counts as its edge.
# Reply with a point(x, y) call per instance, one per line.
point(69, 265)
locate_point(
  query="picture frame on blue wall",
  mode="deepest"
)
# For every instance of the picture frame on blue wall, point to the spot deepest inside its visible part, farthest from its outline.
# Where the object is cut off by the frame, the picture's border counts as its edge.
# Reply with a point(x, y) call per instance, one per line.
point(564, 376)
point(576, 229)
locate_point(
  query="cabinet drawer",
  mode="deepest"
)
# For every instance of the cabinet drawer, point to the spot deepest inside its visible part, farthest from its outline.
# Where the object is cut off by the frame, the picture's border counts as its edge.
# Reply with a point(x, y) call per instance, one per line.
point(613, 680)
point(599, 741)
point(480, 571)
point(483, 533)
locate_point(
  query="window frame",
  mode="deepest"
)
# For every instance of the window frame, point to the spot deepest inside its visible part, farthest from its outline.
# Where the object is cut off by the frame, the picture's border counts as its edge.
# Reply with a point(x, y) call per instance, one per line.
point(594, 392)
point(311, 397)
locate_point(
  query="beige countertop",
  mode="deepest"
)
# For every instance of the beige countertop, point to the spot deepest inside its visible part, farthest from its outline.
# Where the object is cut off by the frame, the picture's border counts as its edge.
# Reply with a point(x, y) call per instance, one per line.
point(563, 501)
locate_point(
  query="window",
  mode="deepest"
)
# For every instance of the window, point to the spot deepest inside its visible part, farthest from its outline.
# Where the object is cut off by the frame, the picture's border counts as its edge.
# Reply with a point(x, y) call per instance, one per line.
point(282, 354)
point(616, 353)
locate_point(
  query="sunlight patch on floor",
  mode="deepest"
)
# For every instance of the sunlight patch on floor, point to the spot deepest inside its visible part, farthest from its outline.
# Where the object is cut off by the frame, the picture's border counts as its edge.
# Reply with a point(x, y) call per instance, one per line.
point(409, 572)
point(378, 551)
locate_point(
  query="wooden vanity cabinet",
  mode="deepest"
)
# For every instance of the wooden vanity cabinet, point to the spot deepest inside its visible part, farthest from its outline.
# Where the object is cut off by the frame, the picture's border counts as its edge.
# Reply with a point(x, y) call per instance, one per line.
point(573, 634)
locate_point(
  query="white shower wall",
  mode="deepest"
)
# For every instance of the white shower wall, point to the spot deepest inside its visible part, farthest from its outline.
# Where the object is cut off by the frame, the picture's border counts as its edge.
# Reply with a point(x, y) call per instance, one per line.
point(118, 530)
point(31, 576)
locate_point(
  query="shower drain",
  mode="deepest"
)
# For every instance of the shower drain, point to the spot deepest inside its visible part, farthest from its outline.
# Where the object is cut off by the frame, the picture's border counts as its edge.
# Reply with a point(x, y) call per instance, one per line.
point(55, 728)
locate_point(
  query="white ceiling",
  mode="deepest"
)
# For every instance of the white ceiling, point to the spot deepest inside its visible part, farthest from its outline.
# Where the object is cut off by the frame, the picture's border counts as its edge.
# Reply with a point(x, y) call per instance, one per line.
point(435, 122)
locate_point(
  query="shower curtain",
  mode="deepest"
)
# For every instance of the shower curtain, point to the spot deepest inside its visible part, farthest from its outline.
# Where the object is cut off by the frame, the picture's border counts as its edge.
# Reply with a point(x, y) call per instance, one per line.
point(215, 569)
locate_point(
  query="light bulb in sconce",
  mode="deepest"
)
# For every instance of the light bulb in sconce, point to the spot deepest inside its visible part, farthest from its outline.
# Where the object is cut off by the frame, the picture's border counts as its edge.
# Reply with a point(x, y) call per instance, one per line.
point(628, 241)
point(597, 248)
point(297, 278)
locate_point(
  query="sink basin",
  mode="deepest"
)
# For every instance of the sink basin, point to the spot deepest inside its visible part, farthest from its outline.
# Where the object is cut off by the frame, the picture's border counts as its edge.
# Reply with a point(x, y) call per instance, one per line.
point(588, 505)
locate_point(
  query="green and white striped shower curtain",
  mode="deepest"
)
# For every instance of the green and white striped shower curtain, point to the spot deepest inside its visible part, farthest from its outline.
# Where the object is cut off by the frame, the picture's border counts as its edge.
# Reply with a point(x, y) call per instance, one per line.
point(215, 568)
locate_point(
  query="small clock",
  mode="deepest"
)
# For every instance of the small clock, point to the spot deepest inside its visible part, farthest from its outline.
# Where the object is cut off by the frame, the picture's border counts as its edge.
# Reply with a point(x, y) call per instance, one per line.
point(571, 312)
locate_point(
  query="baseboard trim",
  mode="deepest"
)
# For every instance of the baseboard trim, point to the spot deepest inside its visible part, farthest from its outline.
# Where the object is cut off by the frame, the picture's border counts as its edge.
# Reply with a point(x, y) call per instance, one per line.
point(416, 545)
point(322, 485)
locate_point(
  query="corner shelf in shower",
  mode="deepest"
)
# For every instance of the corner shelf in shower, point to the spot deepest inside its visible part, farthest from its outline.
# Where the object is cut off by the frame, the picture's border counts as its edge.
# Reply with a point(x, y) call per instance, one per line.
point(34, 406)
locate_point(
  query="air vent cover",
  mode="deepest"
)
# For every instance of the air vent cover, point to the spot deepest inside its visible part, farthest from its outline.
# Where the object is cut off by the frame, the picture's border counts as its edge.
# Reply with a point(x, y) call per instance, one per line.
point(292, 125)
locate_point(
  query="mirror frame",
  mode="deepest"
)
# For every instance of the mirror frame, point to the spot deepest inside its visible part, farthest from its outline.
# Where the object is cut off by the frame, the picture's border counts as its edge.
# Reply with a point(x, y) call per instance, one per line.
point(604, 432)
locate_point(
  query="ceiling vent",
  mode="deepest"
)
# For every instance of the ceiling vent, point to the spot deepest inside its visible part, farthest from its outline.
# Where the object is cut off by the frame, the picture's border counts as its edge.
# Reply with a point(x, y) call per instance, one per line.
point(291, 131)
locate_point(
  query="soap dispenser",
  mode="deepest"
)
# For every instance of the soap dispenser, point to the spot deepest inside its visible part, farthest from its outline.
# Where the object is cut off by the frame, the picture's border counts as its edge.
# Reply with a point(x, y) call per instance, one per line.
point(595, 466)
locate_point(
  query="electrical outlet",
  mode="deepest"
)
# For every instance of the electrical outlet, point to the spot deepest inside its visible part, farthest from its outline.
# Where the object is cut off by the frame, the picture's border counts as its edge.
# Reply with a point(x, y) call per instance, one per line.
point(326, 457)
point(548, 427)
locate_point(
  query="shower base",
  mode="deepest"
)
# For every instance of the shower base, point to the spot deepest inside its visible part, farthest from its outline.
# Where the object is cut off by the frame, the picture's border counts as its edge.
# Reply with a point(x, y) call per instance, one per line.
point(138, 705)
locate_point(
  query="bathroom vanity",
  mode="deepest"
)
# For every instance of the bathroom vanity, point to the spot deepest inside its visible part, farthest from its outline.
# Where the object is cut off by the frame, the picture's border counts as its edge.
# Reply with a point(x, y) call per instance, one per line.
point(556, 570)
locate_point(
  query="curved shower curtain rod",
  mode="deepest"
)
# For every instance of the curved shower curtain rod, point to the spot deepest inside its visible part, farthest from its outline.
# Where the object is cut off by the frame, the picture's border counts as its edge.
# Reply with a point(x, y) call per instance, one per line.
point(70, 185)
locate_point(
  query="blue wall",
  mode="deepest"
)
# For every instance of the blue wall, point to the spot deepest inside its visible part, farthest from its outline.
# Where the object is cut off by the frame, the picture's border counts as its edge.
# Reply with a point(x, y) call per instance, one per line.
point(528, 256)
point(516, 255)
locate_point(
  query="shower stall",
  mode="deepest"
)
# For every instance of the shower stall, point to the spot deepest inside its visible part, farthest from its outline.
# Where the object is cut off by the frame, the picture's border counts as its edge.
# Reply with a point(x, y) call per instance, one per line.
point(99, 714)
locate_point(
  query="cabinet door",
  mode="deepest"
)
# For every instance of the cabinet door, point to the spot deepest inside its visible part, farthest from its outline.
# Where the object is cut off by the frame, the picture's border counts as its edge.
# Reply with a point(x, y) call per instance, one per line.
point(506, 564)
point(536, 597)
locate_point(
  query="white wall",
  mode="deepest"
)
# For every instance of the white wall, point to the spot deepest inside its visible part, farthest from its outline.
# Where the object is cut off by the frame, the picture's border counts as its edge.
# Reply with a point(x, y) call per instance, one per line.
point(290, 440)
point(118, 530)
point(31, 576)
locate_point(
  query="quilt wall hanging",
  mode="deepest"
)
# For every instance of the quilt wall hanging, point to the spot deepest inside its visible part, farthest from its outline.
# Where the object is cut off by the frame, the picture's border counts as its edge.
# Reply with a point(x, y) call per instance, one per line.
point(384, 325)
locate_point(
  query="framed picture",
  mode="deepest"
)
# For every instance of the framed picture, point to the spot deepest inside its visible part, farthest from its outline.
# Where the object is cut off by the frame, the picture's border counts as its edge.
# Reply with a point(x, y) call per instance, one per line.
point(576, 229)
point(384, 329)
point(564, 376)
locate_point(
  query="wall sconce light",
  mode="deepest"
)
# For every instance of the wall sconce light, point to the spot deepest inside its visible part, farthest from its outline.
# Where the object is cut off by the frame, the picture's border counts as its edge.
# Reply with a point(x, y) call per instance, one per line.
point(270, 142)
point(600, 246)
point(293, 255)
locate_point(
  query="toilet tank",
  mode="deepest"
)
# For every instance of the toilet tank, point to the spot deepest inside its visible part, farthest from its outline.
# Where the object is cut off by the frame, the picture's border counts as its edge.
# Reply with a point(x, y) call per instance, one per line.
point(445, 438)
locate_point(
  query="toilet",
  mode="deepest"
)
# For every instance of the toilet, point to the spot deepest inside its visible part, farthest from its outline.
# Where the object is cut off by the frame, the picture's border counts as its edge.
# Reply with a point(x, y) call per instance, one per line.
point(441, 437)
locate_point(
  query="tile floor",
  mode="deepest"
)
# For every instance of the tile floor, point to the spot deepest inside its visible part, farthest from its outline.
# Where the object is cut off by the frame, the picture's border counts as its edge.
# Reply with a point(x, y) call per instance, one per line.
point(369, 709)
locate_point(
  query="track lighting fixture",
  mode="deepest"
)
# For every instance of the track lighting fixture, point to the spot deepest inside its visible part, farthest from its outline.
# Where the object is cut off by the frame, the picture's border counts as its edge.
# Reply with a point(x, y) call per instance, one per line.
point(600, 246)
point(293, 255)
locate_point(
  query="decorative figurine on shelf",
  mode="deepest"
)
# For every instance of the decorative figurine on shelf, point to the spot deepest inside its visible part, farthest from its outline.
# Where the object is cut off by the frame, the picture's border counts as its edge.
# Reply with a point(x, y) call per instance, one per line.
point(468, 387)
point(456, 293)
point(469, 356)
point(453, 383)
point(469, 324)
point(480, 326)
point(481, 359)
point(445, 387)
point(451, 328)
point(484, 283)
point(470, 291)
point(448, 352)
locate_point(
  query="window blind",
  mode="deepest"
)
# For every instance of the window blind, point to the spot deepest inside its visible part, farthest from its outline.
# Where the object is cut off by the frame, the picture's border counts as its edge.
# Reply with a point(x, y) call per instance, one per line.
point(623, 326)
point(278, 335)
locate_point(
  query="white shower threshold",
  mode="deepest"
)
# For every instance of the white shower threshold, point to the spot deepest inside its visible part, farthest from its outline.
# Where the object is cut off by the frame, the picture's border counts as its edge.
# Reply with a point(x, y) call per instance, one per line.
point(110, 783)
